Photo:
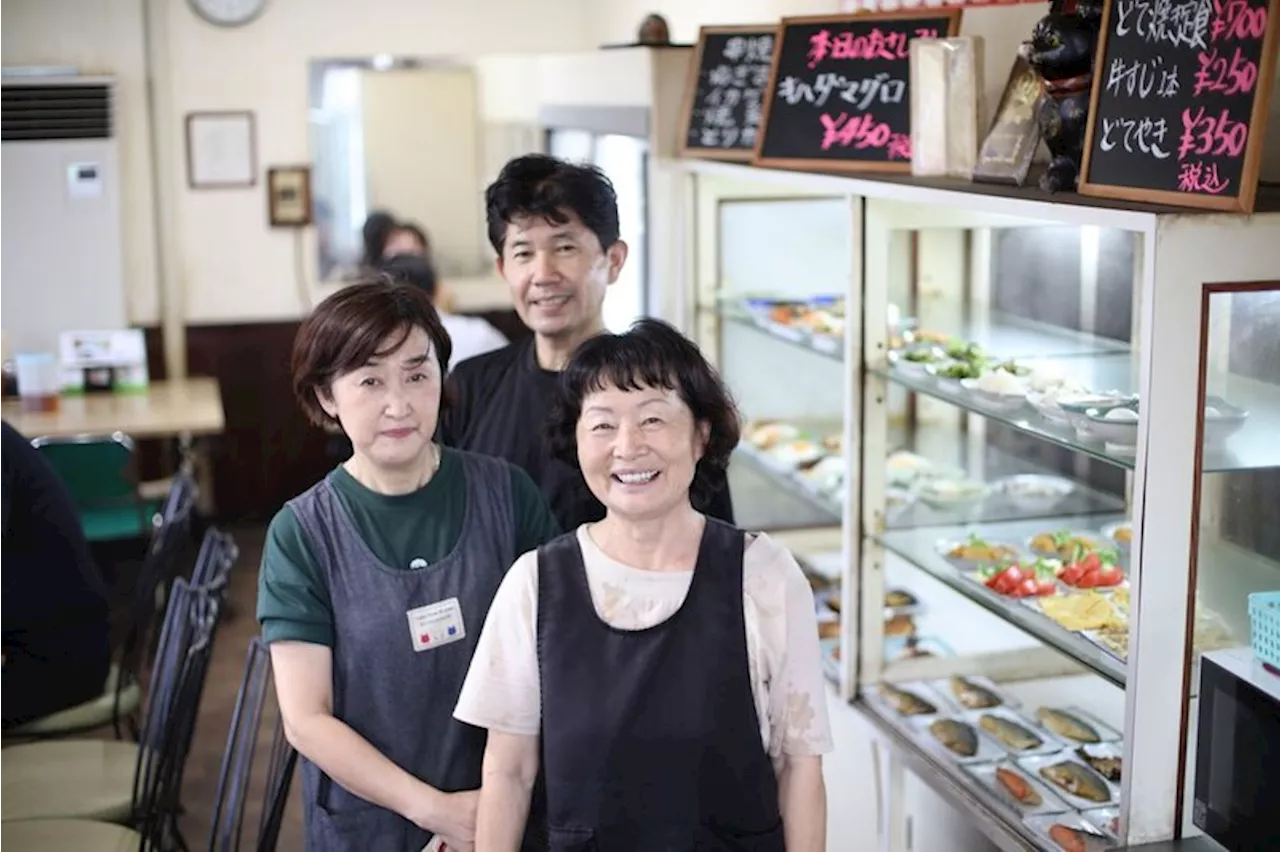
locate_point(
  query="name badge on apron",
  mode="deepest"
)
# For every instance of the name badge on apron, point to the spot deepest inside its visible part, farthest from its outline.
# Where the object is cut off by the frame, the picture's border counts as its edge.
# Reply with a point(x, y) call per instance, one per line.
point(436, 624)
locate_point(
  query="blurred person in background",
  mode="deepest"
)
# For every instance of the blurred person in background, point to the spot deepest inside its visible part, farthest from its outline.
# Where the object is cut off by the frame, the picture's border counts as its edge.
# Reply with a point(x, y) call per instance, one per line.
point(471, 336)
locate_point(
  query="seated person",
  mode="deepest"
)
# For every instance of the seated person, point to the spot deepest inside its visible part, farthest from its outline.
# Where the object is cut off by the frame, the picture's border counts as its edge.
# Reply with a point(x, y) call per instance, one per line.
point(56, 645)
point(471, 336)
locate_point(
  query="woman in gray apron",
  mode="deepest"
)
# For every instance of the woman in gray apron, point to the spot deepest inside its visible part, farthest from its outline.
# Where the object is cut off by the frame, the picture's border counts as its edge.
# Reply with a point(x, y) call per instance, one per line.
point(375, 582)
point(660, 668)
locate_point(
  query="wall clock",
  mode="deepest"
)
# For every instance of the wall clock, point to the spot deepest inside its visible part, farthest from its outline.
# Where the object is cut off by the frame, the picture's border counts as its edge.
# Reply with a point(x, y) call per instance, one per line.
point(228, 13)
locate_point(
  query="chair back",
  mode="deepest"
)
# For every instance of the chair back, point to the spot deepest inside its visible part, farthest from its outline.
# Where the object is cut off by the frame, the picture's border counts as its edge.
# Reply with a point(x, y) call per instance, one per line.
point(238, 761)
point(177, 681)
point(218, 554)
point(159, 567)
point(101, 474)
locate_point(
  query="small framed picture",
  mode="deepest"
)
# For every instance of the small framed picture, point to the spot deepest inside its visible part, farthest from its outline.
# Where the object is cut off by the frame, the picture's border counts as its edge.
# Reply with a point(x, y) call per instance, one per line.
point(220, 150)
point(289, 196)
point(1010, 146)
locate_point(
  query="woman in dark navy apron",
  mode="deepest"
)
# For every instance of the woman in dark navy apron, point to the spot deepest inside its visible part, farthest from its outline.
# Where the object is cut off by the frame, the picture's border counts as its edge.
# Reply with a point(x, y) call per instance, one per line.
point(375, 582)
point(677, 700)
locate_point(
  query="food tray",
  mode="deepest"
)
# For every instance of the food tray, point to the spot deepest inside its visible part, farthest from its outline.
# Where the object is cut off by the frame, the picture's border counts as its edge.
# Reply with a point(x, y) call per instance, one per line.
point(1040, 824)
point(943, 548)
point(1106, 733)
point(1092, 535)
point(896, 646)
point(1104, 750)
point(1049, 744)
point(1095, 637)
point(1033, 765)
point(978, 580)
point(943, 685)
point(987, 750)
point(1103, 819)
point(985, 775)
point(916, 687)
point(1109, 533)
point(916, 608)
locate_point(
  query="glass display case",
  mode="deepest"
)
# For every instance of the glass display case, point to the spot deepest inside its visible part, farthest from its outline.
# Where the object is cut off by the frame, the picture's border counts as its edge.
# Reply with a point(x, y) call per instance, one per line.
point(1042, 521)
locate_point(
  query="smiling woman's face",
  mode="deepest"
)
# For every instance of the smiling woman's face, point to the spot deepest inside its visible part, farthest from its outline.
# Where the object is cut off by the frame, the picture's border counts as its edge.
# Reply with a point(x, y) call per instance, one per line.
point(638, 450)
point(389, 406)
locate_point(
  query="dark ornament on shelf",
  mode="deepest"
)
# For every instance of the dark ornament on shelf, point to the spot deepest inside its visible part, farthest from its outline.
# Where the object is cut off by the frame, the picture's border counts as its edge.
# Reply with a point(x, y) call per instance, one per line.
point(1061, 51)
point(654, 31)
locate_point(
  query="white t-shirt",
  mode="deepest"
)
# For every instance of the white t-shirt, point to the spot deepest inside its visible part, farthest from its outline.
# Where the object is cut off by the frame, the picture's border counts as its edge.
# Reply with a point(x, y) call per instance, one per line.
point(503, 691)
point(471, 336)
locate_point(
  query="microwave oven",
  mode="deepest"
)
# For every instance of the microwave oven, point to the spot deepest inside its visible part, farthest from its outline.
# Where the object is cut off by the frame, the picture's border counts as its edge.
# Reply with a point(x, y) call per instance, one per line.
point(1236, 799)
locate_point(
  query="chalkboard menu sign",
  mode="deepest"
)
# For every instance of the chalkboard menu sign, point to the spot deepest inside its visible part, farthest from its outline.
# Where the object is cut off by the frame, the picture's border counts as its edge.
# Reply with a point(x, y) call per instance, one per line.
point(724, 98)
point(1180, 95)
point(838, 97)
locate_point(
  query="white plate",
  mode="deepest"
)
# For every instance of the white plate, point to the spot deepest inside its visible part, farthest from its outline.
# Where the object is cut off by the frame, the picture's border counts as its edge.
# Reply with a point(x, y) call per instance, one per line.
point(1101, 818)
point(970, 491)
point(1048, 408)
point(945, 546)
point(919, 689)
point(1034, 492)
point(1049, 744)
point(987, 749)
point(985, 775)
point(1040, 824)
point(1003, 402)
point(1106, 733)
point(1033, 765)
point(943, 685)
point(1109, 532)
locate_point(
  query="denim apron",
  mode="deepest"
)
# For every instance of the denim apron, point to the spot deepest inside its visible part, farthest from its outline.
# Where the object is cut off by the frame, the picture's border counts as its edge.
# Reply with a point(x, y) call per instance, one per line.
point(394, 683)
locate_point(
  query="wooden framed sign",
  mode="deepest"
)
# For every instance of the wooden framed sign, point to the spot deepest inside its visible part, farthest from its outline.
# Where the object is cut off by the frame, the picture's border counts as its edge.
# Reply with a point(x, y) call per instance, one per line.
point(838, 95)
point(1179, 102)
point(724, 97)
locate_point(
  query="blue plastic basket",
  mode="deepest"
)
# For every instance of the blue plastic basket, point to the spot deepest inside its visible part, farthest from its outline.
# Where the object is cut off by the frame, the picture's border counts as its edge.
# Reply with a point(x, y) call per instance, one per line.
point(1264, 626)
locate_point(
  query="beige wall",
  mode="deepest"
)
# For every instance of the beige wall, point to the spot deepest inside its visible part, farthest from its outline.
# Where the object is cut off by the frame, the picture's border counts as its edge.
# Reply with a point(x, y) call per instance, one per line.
point(228, 265)
point(421, 155)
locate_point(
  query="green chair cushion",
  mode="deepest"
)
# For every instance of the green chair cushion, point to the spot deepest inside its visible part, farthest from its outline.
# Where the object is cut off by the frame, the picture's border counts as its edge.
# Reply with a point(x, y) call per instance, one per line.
point(91, 714)
point(42, 835)
point(68, 779)
point(112, 523)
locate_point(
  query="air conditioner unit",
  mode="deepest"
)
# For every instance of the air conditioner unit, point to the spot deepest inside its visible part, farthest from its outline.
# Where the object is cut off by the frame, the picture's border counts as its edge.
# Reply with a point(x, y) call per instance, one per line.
point(61, 264)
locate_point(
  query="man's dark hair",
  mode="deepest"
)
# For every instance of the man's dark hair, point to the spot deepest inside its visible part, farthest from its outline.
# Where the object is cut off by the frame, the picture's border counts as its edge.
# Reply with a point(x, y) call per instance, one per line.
point(540, 185)
point(649, 354)
point(412, 269)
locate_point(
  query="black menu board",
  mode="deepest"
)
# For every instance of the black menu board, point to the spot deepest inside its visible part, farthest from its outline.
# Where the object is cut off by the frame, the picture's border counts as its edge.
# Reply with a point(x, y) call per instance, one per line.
point(838, 97)
point(724, 98)
point(1180, 95)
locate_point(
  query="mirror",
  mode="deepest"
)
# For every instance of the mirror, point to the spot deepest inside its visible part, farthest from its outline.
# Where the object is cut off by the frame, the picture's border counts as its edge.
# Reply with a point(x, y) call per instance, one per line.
point(409, 137)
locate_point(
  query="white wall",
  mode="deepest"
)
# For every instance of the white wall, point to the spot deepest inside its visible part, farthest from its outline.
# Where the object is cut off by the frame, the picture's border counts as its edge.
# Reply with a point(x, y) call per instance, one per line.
point(263, 67)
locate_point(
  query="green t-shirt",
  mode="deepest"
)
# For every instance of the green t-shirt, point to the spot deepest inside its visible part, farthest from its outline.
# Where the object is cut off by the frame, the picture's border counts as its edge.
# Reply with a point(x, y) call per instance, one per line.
point(421, 527)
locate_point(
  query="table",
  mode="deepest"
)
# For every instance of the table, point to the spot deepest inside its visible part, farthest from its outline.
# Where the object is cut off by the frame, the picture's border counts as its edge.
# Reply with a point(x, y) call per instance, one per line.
point(174, 408)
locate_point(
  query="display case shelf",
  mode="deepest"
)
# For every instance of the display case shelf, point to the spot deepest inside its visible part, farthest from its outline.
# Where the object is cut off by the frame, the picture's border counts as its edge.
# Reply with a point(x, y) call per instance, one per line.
point(828, 510)
point(946, 447)
point(920, 548)
point(827, 345)
point(1252, 447)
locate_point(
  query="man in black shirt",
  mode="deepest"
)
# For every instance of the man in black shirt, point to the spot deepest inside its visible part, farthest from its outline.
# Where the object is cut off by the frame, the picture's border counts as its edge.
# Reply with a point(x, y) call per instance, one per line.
point(554, 227)
point(56, 651)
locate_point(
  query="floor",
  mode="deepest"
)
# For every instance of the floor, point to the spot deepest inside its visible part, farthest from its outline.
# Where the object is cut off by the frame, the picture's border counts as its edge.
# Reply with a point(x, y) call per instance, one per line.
point(217, 707)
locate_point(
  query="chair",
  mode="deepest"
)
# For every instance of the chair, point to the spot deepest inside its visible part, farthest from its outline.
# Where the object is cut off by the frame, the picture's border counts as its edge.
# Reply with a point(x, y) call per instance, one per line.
point(218, 554)
point(238, 759)
point(134, 784)
point(121, 694)
point(101, 473)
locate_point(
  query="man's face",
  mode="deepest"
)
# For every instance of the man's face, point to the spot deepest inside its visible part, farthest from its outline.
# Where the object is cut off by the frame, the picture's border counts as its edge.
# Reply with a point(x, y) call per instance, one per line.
point(558, 274)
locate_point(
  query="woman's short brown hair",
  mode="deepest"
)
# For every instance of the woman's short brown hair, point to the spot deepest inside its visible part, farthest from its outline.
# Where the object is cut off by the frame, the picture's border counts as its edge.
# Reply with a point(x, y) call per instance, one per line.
point(349, 328)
